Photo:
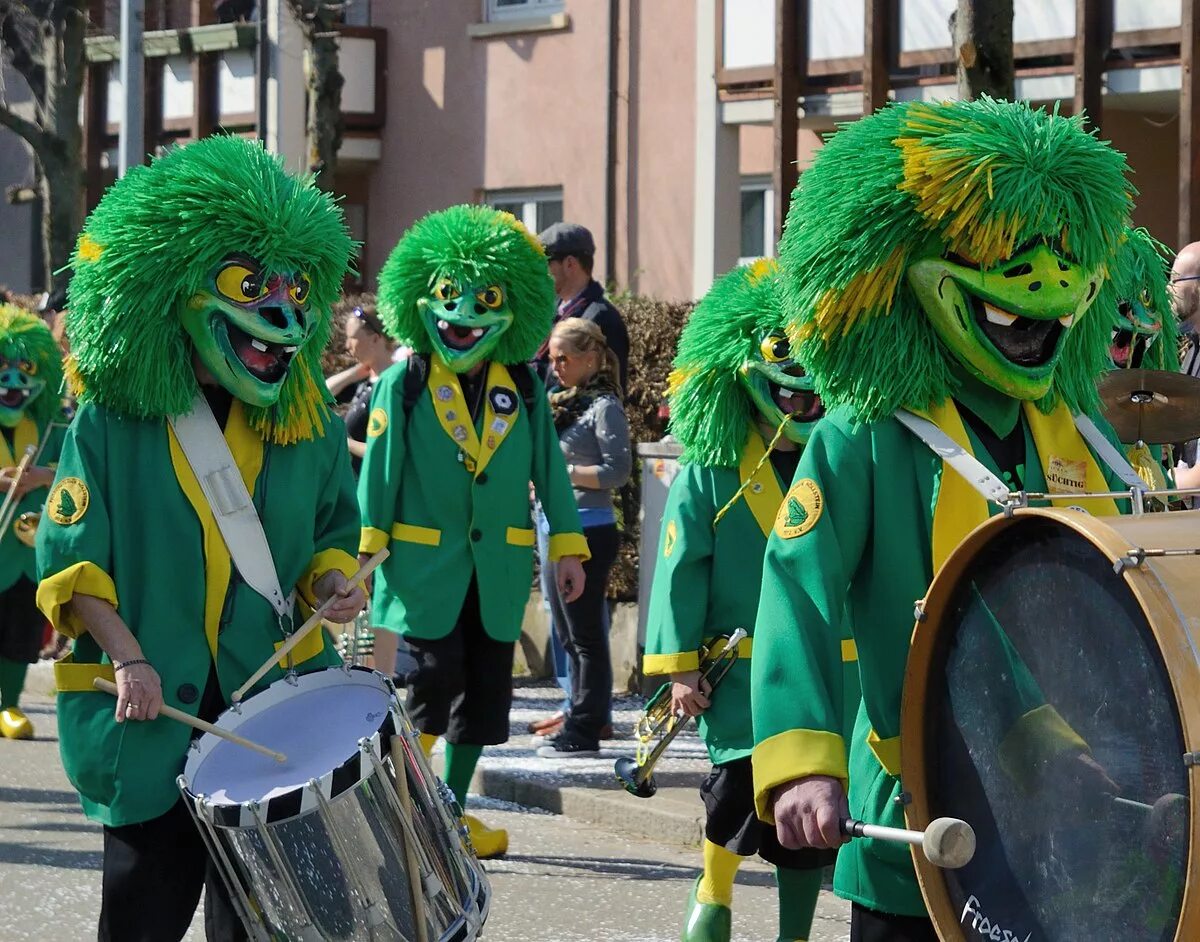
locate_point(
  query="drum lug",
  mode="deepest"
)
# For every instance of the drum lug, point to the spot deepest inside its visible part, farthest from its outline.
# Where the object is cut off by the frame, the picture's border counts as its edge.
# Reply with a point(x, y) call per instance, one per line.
point(292, 677)
point(919, 610)
point(903, 799)
point(1191, 760)
point(1133, 559)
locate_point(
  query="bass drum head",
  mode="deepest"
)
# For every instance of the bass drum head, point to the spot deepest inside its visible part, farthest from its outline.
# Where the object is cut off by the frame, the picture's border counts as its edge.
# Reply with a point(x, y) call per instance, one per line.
point(1044, 715)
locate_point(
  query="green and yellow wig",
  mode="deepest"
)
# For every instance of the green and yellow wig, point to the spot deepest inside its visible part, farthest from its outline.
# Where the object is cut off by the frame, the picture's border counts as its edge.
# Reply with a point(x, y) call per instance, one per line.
point(468, 247)
point(152, 244)
point(27, 341)
point(1139, 277)
point(973, 181)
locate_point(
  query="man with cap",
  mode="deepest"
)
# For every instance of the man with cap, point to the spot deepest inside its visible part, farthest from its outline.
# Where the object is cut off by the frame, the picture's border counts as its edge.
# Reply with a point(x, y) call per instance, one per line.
point(571, 251)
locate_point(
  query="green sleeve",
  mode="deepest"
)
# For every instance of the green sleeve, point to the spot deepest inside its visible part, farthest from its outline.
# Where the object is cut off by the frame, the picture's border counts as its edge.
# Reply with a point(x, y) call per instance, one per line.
point(548, 472)
point(336, 533)
point(379, 476)
point(797, 672)
point(74, 540)
point(680, 592)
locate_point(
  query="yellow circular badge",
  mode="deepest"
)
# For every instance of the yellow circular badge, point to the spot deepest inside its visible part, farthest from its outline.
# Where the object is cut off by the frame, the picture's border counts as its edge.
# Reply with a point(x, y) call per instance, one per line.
point(376, 423)
point(68, 501)
point(800, 510)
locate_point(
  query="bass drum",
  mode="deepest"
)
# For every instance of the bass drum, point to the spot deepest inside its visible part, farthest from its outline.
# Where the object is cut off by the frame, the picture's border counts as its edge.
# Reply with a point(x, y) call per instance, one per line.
point(1052, 700)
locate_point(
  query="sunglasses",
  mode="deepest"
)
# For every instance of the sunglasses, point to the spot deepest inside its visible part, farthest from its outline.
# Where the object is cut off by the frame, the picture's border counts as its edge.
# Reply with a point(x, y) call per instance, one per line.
point(1176, 281)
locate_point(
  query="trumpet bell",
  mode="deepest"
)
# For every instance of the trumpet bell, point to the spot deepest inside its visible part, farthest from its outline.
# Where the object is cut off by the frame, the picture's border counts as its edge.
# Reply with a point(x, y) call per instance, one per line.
point(25, 527)
point(627, 774)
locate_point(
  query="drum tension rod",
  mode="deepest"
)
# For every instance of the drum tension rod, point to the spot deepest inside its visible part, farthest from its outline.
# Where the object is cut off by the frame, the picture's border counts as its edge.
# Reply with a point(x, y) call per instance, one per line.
point(919, 610)
point(1136, 556)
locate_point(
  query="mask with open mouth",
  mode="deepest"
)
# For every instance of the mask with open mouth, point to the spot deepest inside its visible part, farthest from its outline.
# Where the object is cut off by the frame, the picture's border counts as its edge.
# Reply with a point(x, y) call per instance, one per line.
point(1007, 324)
point(247, 326)
point(1142, 337)
point(465, 321)
point(779, 387)
point(19, 387)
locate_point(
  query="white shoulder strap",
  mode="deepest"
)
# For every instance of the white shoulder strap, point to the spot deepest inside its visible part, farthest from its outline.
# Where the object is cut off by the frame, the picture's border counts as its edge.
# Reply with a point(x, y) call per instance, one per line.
point(961, 460)
point(1108, 453)
point(211, 461)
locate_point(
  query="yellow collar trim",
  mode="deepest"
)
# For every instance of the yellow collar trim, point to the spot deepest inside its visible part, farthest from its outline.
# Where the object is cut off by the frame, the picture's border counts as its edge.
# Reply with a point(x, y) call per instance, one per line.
point(762, 492)
point(450, 406)
point(1067, 465)
point(26, 434)
point(246, 445)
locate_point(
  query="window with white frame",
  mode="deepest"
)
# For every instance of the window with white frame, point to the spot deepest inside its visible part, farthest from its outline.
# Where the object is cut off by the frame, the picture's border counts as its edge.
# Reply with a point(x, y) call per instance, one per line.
point(758, 220)
point(521, 9)
point(538, 209)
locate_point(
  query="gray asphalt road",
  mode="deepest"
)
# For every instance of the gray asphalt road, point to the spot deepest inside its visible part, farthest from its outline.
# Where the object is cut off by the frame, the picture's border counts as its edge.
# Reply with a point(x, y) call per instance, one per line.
point(562, 882)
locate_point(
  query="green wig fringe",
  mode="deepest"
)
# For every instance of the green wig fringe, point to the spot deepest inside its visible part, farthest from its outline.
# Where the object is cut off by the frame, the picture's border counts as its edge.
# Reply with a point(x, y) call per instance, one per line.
point(711, 412)
point(1140, 272)
point(474, 245)
point(25, 336)
point(976, 178)
point(152, 243)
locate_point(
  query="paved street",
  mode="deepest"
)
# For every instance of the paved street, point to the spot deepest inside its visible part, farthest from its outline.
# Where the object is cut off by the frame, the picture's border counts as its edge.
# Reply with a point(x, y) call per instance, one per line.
point(562, 882)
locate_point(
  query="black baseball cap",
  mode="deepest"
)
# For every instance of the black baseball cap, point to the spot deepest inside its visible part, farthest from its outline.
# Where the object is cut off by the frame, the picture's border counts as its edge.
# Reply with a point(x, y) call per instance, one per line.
point(567, 238)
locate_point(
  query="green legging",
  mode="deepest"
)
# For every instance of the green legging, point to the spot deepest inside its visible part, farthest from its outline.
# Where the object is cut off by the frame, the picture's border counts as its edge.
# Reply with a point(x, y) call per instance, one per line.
point(798, 891)
point(12, 682)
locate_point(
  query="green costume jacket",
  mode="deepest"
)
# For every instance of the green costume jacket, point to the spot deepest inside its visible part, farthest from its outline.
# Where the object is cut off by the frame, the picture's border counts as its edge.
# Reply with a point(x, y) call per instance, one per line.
point(126, 521)
point(706, 584)
point(450, 498)
point(859, 548)
point(17, 559)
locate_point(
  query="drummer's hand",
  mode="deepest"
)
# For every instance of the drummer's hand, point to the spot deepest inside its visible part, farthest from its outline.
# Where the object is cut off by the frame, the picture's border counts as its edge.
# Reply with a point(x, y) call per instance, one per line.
point(139, 693)
point(689, 693)
point(28, 481)
point(348, 600)
point(570, 578)
point(808, 812)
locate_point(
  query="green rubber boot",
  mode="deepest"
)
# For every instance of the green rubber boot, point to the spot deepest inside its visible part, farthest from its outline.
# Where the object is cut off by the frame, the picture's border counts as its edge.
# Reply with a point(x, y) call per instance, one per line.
point(706, 922)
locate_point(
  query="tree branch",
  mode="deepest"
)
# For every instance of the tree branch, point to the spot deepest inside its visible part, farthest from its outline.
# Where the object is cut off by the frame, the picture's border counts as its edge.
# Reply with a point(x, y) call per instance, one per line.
point(35, 136)
point(21, 54)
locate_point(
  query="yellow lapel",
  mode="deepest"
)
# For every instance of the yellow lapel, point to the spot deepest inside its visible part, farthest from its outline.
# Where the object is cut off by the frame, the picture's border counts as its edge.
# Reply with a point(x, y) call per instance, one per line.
point(452, 412)
point(26, 434)
point(1067, 463)
point(497, 425)
point(245, 444)
point(760, 487)
point(1065, 460)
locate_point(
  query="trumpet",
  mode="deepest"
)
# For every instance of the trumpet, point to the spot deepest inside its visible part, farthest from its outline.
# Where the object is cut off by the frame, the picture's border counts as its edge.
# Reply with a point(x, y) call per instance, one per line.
point(636, 775)
point(25, 526)
point(9, 508)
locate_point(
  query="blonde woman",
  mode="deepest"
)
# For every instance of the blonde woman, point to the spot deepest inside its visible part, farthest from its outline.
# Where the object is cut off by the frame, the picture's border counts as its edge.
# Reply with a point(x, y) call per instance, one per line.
point(594, 436)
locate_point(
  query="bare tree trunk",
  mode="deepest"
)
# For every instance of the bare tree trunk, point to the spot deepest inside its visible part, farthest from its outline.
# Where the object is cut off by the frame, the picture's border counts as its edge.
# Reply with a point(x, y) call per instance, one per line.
point(983, 45)
point(324, 84)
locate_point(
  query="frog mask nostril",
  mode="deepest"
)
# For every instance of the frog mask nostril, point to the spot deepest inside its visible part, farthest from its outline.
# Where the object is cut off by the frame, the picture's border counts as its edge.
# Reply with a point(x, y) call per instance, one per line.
point(274, 316)
point(480, 308)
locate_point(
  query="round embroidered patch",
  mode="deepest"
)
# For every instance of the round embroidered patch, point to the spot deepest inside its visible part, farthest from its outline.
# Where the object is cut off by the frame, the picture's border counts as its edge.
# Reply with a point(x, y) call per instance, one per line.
point(376, 423)
point(68, 502)
point(800, 510)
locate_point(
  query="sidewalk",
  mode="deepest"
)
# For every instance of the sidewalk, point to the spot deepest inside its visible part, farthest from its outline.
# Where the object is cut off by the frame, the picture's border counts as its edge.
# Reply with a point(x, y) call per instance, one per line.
point(586, 789)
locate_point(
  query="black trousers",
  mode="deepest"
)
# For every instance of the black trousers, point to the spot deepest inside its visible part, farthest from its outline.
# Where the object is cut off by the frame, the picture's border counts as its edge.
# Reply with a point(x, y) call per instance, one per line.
point(870, 925)
point(153, 873)
point(580, 626)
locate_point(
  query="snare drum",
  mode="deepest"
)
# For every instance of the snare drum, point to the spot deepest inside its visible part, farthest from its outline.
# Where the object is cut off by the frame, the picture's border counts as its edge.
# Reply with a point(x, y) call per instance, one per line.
point(331, 844)
point(1052, 700)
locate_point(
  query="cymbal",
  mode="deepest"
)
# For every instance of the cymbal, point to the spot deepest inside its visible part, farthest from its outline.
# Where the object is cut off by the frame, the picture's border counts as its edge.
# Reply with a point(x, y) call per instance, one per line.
point(1152, 406)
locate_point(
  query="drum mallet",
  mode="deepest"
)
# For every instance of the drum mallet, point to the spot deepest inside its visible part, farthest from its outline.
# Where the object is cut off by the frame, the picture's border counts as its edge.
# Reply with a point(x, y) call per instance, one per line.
point(314, 621)
point(947, 843)
point(195, 723)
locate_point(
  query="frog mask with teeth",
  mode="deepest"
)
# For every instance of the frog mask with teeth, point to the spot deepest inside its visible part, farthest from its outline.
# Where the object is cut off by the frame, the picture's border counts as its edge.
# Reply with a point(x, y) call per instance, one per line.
point(211, 256)
point(470, 284)
point(735, 370)
point(1144, 333)
point(935, 242)
point(30, 368)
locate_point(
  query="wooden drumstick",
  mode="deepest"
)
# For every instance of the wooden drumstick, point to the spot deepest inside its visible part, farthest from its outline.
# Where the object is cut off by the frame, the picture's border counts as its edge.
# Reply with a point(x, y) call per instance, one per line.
point(195, 723)
point(948, 843)
point(400, 767)
point(314, 620)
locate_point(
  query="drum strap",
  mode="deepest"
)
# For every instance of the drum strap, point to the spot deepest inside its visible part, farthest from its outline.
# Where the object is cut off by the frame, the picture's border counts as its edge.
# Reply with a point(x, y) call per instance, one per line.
point(1108, 453)
point(972, 470)
point(208, 454)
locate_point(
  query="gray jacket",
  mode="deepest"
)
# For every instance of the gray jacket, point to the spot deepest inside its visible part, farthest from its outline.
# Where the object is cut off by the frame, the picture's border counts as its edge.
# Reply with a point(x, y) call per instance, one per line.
point(600, 438)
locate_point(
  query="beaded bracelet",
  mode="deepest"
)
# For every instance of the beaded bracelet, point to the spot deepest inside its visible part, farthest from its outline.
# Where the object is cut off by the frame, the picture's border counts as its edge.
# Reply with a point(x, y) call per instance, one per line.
point(130, 663)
